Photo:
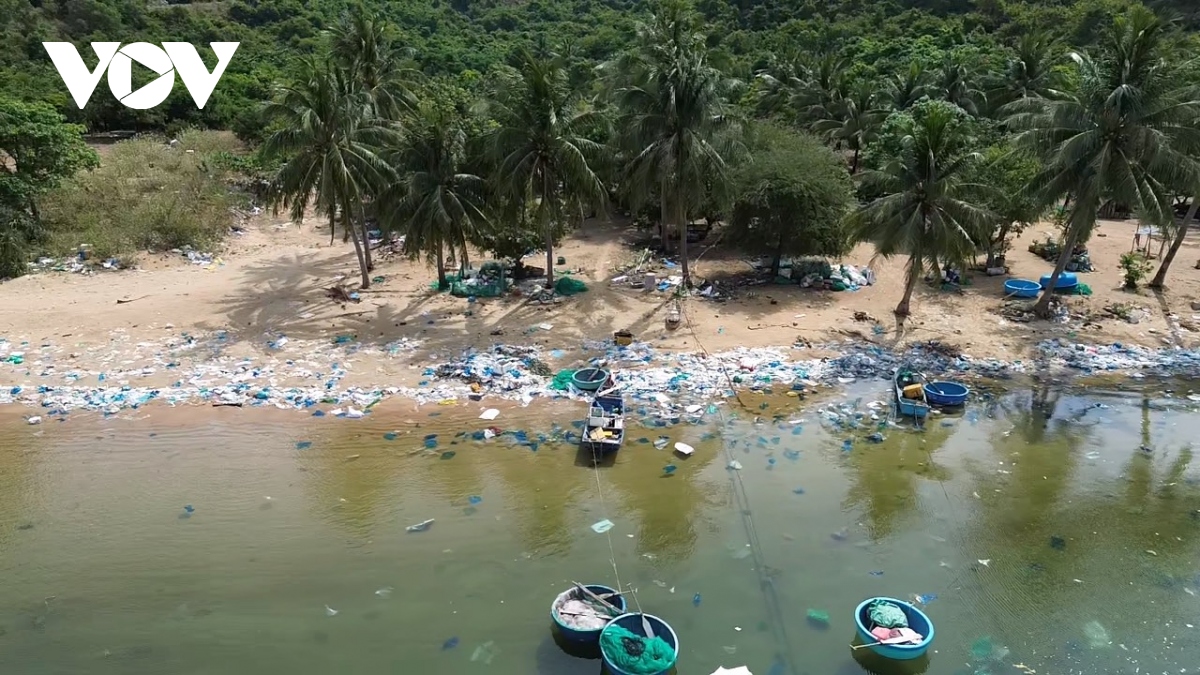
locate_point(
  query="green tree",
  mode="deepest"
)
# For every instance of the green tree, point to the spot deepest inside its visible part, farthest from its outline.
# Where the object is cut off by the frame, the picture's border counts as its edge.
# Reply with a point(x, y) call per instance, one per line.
point(925, 211)
point(38, 151)
point(855, 121)
point(436, 203)
point(1003, 178)
point(790, 198)
point(365, 46)
point(676, 122)
point(542, 160)
point(1128, 134)
point(1032, 72)
point(903, 89)
point(329, 144)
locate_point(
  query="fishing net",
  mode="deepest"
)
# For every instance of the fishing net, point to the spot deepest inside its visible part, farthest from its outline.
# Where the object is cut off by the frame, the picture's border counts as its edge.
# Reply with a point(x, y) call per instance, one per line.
point(562, 381)
point(569, 286)
point(886, 614)
point(635, 654)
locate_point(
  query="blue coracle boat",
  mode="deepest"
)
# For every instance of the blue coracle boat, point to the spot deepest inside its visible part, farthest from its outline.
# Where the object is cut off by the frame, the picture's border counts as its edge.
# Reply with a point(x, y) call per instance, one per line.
point(577, 635)
point(946, 394)
point(604, 429)
point(633, 623)
point(917, 620)
point(910, 401)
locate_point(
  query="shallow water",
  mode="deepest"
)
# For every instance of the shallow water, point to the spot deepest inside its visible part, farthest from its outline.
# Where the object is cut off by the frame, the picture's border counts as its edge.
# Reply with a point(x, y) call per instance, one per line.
point(1090, 543)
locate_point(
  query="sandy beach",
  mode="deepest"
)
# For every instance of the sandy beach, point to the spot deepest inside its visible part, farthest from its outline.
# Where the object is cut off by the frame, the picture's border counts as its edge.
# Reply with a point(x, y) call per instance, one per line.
point(270, 282)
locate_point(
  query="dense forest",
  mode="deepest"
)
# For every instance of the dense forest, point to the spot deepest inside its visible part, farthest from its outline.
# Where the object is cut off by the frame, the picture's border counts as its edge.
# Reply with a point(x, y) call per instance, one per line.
point(468, 37)
point(933, 129)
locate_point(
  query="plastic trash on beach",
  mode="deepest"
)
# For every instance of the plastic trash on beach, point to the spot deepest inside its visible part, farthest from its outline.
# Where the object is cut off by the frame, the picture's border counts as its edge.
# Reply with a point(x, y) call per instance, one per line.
point(421, 526)
point(489, 414)
point(684, 449)
point(35, 419)
point(740, 670)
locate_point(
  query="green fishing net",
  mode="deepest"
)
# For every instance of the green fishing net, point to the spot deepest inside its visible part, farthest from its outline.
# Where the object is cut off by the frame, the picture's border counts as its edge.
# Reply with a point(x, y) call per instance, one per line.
point(635, 654)
point(569, 286)
point(886, 614)
point(562, 380)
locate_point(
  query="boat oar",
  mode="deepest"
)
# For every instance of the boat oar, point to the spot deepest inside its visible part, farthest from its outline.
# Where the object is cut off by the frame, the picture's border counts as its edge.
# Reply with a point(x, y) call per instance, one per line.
point(584, 589)
point(899, 639)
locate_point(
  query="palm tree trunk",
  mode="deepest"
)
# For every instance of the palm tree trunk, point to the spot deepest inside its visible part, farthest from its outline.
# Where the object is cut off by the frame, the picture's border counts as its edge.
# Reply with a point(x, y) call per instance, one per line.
point(911, 277)
point(1081, 221)
point(854, 162)
point(358, 248)
point(332, 224)
point(778, 259)
point(441, 268)
point(683, 244)
point(664, 219)
point(549, 225)
point(366, 240)
point(1160, 277)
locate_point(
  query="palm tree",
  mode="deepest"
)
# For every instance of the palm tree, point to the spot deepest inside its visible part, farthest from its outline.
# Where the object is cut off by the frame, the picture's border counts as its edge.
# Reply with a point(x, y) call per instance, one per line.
point(954, 85)
point(1032, 72)
point(675, 119)
point(924, 212)
point(329, 140)
point(436, 203)
point(542, 159)
point(1181, 231)
point(362, 44)
point(1127, 135)
point(902, 90)
point(855, 122)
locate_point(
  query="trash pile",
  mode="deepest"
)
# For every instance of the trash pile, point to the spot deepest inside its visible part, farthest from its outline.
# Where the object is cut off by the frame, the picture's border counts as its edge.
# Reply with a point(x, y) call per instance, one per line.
point(294, 374)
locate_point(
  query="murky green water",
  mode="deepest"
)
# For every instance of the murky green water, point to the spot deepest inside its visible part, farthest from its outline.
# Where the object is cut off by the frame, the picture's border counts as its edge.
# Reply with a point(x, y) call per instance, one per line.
point(1027, 518)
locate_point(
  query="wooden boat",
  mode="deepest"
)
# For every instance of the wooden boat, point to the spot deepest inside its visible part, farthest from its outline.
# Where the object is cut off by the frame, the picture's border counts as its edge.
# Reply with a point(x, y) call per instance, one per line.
point(909, 387)
point(604, 429)
point(946, 394)
point(917, 621)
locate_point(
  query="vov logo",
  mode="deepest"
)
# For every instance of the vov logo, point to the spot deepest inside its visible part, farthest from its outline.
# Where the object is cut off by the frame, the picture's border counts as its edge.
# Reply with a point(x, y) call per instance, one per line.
point(172, 57)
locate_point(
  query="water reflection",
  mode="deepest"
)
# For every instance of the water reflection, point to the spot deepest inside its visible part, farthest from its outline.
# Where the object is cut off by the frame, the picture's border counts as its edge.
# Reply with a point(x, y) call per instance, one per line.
point(884, 476)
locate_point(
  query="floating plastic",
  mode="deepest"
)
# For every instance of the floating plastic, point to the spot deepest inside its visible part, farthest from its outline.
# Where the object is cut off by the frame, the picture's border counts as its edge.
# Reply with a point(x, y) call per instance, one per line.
point(602, 526)
point(449, 454)
point(696, 600)
point(391, 436)
point(303, 445)
point(684, 449)
point(474, 500)
point(421, 526)
point(669, 469)
point(450, 643)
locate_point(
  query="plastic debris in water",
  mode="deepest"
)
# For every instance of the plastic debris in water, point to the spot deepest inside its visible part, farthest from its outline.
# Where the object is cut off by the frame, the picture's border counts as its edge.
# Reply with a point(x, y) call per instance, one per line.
point(770, 463)
point(1057, 543)
point(489, 414)
point(818, 618)
point(797, 430)
point(421, 526)
point(431, 443)
point(449, 454)
point(847, 444)
point(450, 644)
point(669, 469)
point(696, 600)
point(876, 573)
point(474, 499)
point(385, 592)
point(875, 437)
point(318, 413)
point(602, 526)
point(1096, 634)
point(661, 442)
point(798, 491)
point(189, 509)
point(329, 611)
point(391, 436)
point(734, 465)
point(925, 598)
point(303, 445)
point(792, 454)
point(485, 653)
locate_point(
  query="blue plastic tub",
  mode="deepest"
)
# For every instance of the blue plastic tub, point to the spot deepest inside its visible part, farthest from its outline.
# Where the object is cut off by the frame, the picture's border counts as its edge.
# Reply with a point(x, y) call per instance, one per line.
point(585, 636)
point(1066, 281)
point(946, 393)
point(633, 624)
point(589, 379)
point(917, 620)
point(1022, 288)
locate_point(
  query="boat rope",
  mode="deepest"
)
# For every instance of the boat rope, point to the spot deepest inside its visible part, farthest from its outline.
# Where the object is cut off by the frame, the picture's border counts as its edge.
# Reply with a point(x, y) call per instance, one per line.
point(742, 500)
point(612, 553)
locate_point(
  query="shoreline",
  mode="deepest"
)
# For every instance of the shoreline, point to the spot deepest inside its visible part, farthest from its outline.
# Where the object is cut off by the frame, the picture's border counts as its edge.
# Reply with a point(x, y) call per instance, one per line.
point(320, 376)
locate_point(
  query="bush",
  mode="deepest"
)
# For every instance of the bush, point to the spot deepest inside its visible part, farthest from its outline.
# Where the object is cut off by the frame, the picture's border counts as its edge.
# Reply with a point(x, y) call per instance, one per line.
point(146, 195)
